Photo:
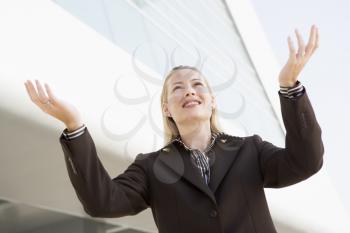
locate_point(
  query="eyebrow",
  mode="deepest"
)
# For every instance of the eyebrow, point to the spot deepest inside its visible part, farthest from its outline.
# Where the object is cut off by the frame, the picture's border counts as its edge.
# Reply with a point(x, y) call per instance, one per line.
point(178, 82)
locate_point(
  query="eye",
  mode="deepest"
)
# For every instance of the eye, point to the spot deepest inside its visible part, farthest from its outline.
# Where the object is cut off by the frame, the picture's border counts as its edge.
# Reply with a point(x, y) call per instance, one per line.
point(198, 83)
point(176, 87)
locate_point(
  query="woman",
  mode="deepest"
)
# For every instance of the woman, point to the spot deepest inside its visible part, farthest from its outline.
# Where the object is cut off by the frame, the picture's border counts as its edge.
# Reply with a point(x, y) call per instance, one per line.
point(202, 180)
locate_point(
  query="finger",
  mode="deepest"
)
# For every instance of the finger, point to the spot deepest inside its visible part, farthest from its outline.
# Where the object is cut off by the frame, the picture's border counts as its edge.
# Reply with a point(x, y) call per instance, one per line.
point(52, 97)
point(317, 41)
point(311, 46)
point(32, 92)
point(301, 44)
point(291, 48)
point(27, 88)
point(42, 95)
point(317, 44)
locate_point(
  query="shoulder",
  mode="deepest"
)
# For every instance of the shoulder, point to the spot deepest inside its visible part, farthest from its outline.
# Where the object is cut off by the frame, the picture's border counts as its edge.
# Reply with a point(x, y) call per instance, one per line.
point(221, 137)
point(236, 140)
point(146, 156)
point(232, 138)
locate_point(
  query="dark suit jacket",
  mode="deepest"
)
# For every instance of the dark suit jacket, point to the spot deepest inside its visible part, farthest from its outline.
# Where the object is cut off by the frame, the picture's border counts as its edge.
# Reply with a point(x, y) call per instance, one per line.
point(169, 183)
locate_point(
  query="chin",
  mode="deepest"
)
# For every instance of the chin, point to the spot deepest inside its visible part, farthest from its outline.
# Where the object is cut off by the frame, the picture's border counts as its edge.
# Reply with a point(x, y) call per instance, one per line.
point(194, 116)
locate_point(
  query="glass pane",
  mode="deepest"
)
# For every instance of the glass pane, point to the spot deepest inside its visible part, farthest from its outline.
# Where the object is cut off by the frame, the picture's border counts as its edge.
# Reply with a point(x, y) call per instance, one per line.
point(163, 34)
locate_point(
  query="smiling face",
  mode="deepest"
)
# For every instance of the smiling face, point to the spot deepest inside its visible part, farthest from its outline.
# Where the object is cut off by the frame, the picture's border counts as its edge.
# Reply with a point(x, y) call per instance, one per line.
point(188, 97)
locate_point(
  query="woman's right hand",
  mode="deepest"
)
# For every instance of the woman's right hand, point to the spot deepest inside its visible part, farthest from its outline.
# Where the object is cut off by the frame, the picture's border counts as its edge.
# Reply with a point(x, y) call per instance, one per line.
point(53, 106)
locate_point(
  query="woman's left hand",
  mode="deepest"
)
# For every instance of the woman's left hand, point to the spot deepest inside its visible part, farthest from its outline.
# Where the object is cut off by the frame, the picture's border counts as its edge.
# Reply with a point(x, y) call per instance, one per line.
point(297, 59)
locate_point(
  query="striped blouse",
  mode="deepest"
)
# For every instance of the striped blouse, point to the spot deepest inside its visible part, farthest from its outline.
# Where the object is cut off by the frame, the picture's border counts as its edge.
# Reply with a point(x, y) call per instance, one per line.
point(200, 158)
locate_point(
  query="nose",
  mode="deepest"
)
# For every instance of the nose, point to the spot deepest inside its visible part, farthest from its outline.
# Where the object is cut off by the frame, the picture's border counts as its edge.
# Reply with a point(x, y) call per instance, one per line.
point(190, 91)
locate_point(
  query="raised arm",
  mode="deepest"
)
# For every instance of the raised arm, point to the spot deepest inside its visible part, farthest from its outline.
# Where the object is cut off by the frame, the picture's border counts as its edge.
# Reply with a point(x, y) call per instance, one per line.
point(101, 196)
point(126, 194)
point(303, 152)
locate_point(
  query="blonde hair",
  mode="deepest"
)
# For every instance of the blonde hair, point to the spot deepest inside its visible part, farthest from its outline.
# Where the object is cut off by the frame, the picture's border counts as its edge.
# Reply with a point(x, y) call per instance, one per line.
point(170, 129)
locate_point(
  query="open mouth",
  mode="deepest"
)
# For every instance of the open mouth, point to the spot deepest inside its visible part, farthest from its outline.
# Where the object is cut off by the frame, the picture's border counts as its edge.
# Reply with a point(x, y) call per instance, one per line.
point(191, 103)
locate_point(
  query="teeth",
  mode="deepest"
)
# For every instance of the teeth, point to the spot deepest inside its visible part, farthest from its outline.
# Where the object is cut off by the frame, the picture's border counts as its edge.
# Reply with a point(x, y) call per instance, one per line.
point(191, 103)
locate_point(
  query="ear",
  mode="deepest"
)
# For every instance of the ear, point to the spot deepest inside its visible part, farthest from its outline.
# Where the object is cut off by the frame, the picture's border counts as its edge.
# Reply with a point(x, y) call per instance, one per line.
point(166, 109)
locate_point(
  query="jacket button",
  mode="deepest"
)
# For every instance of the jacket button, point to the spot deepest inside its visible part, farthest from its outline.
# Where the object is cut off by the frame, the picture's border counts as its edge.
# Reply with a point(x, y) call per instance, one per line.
point(213, 213)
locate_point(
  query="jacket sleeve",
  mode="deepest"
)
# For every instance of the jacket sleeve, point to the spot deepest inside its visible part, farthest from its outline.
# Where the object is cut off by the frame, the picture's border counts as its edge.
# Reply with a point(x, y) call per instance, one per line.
point(101, 196)
point(303, 153)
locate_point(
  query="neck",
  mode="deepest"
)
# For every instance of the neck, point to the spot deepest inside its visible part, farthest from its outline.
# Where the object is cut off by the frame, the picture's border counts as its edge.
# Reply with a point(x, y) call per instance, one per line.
point(196, 135)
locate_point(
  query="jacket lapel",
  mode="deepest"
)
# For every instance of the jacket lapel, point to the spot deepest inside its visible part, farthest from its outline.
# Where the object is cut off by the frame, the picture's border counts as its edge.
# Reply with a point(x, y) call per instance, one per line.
point(223, 154)
point(179, 160)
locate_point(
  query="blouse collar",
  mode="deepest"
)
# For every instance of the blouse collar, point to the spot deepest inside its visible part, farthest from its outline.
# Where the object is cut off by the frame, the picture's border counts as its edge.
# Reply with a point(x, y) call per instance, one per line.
point(214, 136)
